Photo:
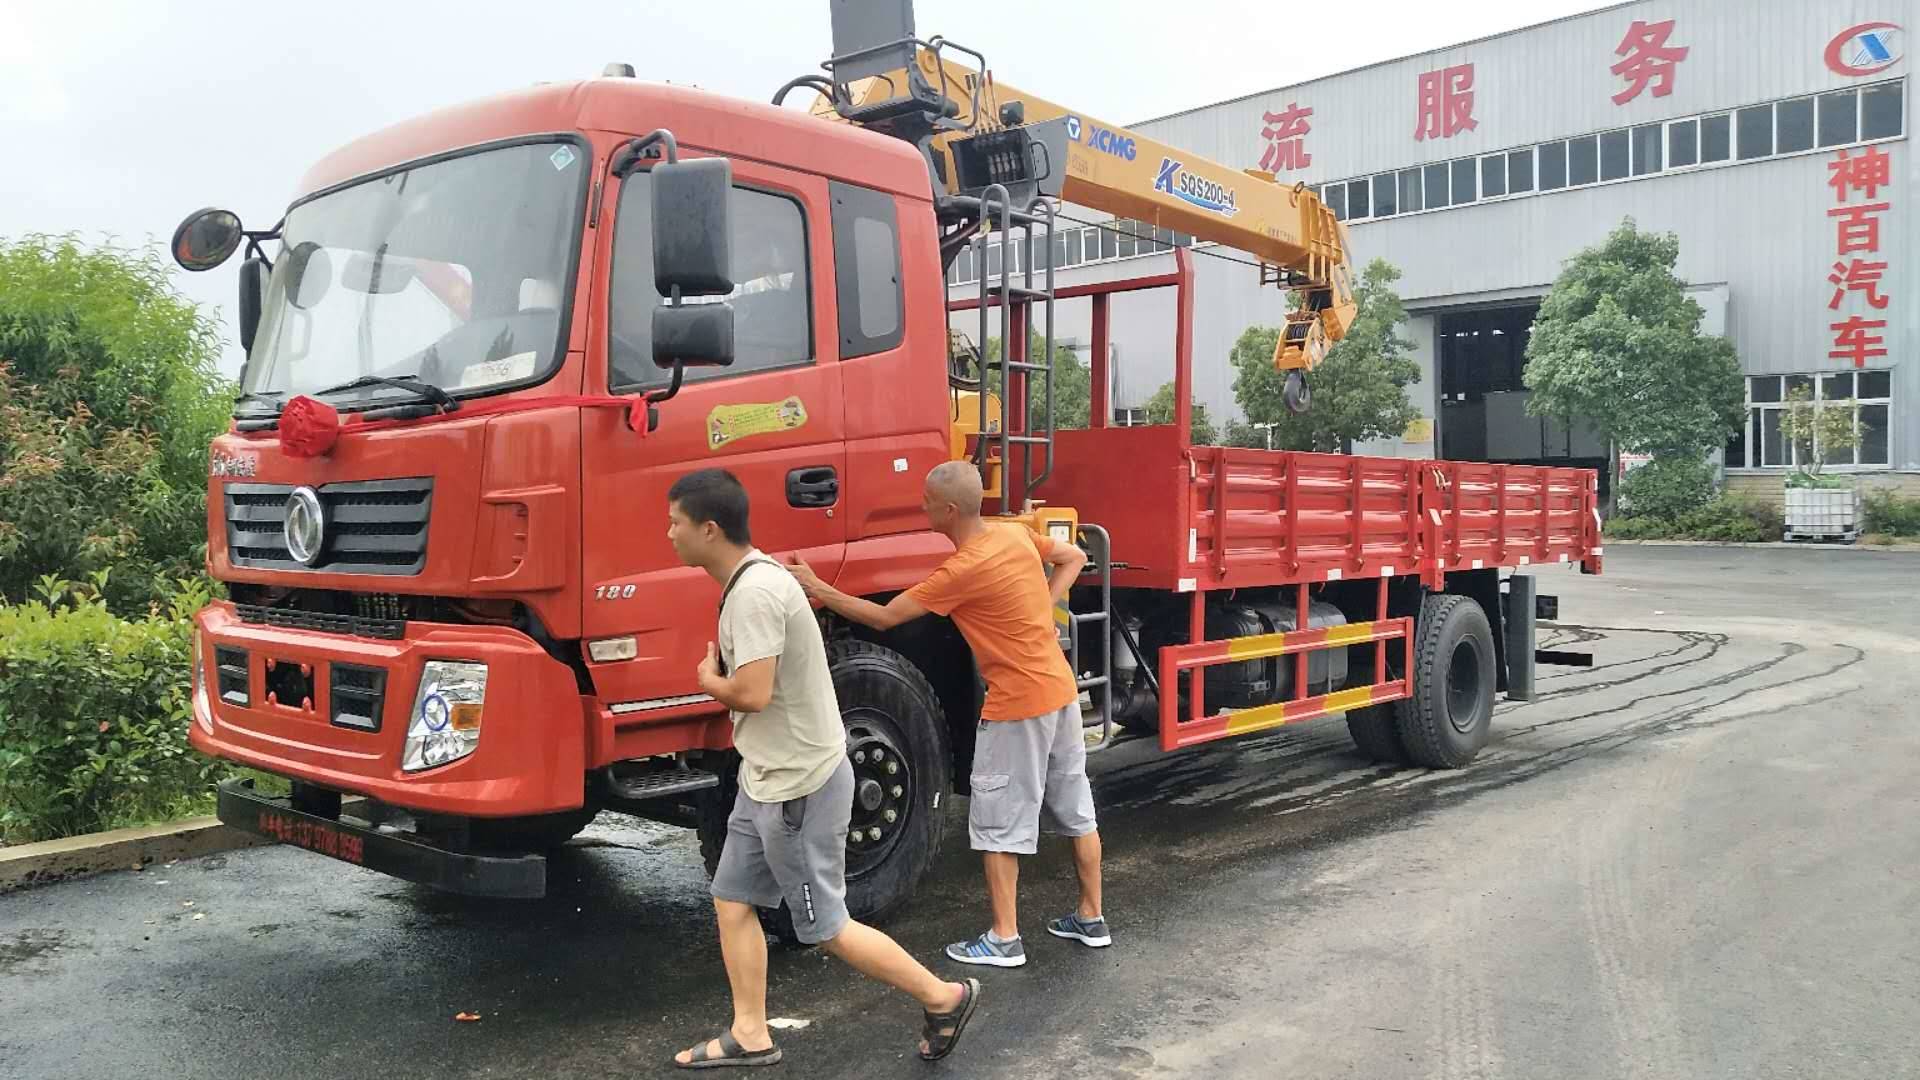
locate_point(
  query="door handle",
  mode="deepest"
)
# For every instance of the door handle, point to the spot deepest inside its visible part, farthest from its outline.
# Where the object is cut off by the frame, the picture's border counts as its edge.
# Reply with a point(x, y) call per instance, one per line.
point(815, 485)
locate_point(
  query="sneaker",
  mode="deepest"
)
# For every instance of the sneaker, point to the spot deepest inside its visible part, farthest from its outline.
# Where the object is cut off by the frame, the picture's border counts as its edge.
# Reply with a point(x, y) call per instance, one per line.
point(984, 950)
point(1090, 932)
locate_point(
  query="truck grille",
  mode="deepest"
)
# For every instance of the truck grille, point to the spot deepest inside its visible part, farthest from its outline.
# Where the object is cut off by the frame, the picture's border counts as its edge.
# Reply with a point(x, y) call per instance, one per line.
point(323, 621)
point(373, 526)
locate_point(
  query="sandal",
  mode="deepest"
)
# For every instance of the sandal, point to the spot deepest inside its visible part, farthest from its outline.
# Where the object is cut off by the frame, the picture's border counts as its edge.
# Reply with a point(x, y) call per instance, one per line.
point(942, 1031)
point(732, 1055)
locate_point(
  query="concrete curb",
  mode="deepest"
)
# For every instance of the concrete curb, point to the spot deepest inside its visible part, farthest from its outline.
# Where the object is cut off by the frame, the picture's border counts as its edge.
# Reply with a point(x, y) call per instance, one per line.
point(1610, 542)
point(122, 849)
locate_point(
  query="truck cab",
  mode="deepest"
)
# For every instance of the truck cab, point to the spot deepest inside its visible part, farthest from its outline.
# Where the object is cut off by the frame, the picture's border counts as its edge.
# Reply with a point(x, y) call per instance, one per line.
point(474, 615)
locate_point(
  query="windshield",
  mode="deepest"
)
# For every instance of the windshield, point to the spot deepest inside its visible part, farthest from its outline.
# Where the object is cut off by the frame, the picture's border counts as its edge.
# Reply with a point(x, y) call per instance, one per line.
point(452, 271)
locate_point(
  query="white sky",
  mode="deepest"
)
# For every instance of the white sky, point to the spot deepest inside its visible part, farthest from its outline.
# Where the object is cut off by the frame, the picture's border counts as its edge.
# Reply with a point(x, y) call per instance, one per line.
point(119, 118)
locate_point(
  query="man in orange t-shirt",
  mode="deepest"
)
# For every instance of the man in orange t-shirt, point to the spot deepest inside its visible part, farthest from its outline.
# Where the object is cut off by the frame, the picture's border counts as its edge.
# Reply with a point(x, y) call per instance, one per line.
point(999, 588)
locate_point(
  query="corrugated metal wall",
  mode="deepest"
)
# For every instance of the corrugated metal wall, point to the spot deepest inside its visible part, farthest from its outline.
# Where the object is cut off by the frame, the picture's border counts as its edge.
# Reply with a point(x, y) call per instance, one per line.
point(1758, 232)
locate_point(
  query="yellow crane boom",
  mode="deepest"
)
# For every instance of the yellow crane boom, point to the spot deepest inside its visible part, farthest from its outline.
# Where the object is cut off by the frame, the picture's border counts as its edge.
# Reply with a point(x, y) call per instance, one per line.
point(1300, 243)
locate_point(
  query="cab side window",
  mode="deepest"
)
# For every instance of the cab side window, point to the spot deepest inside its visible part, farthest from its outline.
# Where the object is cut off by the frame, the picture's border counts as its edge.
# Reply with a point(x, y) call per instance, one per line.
point(866, 268)
point(772, 296)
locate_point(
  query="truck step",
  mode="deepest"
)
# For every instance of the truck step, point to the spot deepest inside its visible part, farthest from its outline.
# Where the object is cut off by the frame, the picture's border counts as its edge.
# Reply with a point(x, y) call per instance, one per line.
point(653, 781)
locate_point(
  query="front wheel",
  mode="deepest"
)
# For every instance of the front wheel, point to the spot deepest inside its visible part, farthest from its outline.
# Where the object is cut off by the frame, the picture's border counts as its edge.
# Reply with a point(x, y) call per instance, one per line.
point(897, 744)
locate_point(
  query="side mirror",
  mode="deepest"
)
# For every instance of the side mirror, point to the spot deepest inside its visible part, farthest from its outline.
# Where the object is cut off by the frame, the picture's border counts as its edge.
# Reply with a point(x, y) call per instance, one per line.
point(253, 294)
point(692, 234)
point(693, 335)
point(206, 239)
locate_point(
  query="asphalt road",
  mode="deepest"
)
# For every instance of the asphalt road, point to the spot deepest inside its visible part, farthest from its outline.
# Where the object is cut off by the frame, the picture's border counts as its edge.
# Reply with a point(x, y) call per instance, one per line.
point(1700, 858)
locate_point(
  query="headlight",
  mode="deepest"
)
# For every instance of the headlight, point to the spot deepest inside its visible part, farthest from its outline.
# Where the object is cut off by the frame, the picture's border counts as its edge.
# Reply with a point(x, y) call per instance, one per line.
point(445, 722)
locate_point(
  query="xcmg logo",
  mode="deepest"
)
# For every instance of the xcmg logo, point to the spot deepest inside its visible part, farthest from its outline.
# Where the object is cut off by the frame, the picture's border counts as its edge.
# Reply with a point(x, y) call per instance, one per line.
point(1201, 192)
point(1105, 140)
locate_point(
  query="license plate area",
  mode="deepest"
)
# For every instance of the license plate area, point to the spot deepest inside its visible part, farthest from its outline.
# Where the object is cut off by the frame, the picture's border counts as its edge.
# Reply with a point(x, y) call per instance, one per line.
point(289, 684)
point(313, 835)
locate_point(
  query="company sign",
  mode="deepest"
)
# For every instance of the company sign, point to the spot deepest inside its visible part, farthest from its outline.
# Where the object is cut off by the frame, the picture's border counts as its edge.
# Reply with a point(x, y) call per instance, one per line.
point(1866, 49)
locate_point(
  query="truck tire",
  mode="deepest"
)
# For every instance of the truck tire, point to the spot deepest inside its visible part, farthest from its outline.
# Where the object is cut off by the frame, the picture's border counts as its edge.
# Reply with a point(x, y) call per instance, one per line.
point(896, 739)
point(1446, 719)
point(531, 834)
point(1376, 731)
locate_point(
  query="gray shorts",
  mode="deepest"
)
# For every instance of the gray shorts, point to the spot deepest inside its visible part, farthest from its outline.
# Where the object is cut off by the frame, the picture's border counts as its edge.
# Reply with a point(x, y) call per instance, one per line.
point(794, 851)
point(1021, 767)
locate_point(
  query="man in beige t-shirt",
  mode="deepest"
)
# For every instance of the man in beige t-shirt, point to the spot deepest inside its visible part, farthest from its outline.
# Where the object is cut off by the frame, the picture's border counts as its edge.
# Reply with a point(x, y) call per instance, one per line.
point(787, 836)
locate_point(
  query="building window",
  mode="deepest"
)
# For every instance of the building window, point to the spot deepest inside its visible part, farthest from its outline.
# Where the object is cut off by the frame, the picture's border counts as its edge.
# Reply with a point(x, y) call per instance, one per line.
point(1839, 118)
point(1463, 189)
point(1613, 155)
point(1109, 241)
point(1436, 186)
point(1124, 417)
point(1583, 160)
point(1553, 166)
point(1716, 138)
point(1336, 199)
point(1646, 149)
point(1761, 444)
point(1755, 127)
point(1683, 143)
point(963, 266)
point(1358, 205)
point(1493, 176)
point(1880, 111)
point(1384, 202)
point(1520, 170)
point(1409, 191)
point(1795, 126)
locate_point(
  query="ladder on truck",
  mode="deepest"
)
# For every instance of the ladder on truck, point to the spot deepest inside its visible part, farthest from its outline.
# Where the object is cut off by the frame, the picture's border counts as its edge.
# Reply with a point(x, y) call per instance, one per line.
point(1018, 379)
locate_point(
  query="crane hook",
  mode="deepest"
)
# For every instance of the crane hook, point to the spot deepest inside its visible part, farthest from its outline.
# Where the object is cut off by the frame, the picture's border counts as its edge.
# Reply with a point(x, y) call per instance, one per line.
point(1296, 393)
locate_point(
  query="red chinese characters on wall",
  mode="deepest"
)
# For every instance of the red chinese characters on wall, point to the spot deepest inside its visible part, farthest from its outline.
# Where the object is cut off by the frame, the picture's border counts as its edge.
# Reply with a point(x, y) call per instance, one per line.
point(1446, 103)
point(1859, 174)
point(1286, 133)
point(1649, 60)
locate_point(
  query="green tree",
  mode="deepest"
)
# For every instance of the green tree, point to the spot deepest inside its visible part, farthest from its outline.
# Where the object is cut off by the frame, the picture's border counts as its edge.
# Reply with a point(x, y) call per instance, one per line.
point(108, 399)
point(1072, 385)
point(1818, 430)
point(1359, 390)
point(1618, 342)
point(1160, 411)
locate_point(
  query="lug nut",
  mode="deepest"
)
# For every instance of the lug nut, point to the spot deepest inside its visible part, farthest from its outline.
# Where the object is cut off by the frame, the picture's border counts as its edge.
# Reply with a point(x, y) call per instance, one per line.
point(891, 816)
point(878, 753)
point(859, 757)
point(873, 833)
point(893, 767)
point(898, 791)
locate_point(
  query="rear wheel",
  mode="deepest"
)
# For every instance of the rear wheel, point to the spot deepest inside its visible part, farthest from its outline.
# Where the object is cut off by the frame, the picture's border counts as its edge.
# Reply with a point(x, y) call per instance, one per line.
point(897, 744)
point(1448, 716)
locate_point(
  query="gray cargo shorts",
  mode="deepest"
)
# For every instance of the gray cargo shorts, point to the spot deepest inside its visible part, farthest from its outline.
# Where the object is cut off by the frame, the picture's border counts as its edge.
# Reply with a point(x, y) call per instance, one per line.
point(1021, 767)
point(794, 851)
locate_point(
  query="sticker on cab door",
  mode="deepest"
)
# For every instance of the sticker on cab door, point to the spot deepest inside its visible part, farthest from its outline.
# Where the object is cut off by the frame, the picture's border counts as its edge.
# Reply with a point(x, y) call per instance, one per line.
point(731, 423)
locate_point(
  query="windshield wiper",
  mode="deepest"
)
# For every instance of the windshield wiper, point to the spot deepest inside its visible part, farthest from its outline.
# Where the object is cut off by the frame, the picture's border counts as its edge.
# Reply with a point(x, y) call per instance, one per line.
point(427, 391)
point(270, 397)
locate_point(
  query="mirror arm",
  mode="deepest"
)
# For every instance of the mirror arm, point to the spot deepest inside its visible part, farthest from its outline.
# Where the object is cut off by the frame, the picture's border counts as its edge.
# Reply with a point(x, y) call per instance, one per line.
point(628, 157)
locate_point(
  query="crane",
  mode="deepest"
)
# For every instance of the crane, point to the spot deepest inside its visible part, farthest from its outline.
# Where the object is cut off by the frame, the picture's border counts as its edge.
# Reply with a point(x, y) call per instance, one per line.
point(976, 132)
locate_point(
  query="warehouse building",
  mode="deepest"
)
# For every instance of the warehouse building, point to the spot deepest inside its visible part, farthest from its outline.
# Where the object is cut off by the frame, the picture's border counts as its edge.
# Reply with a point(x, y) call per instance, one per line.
point(1769, 135)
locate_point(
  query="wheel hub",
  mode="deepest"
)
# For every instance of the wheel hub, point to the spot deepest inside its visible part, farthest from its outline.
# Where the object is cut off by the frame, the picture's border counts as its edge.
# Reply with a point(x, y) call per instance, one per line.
point(883, 792)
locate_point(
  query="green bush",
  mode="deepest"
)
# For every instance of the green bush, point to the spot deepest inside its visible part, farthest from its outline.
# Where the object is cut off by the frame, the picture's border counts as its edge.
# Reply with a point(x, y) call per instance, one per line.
point(109, 396)
point(1728, 519)
point(1667, 487)
point(94, 712)
point(1886, 512)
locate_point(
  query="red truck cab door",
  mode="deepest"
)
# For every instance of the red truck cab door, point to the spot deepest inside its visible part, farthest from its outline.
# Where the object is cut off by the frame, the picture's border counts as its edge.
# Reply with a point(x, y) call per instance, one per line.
point(774, 418)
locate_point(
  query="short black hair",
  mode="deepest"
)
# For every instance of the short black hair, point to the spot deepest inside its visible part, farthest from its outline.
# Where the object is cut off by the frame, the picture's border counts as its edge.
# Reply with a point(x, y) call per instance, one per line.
point(714, 495)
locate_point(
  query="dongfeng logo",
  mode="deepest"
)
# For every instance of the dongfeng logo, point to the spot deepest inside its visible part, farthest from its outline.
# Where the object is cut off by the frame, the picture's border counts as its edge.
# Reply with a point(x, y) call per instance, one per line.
point(306, 525)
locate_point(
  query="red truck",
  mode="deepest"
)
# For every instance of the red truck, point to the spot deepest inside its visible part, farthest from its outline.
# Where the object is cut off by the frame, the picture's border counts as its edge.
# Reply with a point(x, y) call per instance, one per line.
point(487, 340)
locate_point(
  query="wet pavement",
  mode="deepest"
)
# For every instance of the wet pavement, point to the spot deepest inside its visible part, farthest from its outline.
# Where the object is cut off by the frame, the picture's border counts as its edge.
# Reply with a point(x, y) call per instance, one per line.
point(1700, 857)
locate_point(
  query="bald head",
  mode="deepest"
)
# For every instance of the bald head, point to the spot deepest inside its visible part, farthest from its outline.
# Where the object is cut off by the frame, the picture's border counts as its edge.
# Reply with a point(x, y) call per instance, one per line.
point(958, 484)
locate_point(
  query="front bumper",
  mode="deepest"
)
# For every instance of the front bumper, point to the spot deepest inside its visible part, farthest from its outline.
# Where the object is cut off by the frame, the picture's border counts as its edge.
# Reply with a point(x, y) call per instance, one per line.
point(531, 757)
point(522, 877)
